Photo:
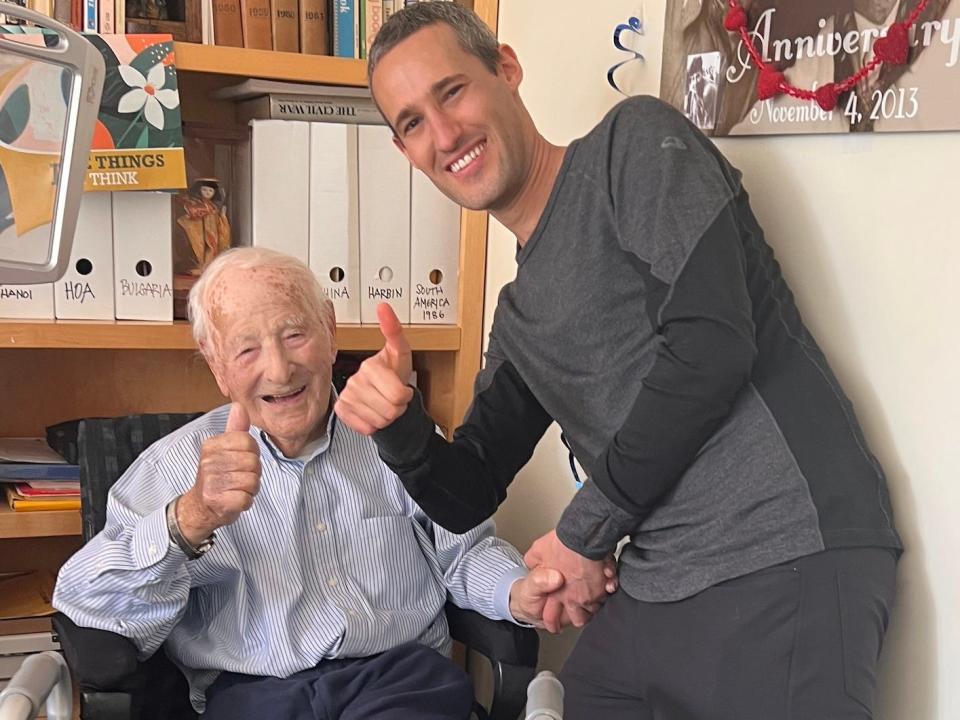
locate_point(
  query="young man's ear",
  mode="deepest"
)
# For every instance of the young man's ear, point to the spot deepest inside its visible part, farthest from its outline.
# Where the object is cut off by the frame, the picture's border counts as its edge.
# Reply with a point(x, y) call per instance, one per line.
point(509, 66)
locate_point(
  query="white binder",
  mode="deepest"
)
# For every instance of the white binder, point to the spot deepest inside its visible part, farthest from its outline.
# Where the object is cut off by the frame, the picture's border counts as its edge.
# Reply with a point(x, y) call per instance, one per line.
point(142, 256)
point(27, 302)
point(384, 224)
point(85, 292)
point(279, 186)
point(335, 216)
point(434, 254)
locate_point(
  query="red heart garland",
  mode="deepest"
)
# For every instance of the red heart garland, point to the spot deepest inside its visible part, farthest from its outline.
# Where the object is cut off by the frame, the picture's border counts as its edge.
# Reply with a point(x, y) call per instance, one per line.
point(735, 19)
point(769, 84)
point(827, 96)
point(895, 46)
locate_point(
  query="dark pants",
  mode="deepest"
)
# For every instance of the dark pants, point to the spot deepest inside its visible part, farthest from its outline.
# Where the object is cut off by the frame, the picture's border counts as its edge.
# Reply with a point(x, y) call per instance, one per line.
point(410, 681)
point(797, 641)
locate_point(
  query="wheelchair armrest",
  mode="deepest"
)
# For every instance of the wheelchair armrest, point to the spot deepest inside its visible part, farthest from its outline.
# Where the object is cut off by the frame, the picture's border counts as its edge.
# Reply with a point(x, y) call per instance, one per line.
point(496, 639)
point(100, 660)
point(512, 651)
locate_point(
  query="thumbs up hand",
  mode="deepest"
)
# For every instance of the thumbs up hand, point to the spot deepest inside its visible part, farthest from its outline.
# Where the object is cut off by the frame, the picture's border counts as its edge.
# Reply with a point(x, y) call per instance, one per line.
point(228, 478)
point(378, 393)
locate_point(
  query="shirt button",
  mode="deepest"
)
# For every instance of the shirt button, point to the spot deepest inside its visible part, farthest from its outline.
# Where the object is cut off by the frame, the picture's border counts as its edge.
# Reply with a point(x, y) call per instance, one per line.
point(332, 582)
point(321, 526)
point(152, 550)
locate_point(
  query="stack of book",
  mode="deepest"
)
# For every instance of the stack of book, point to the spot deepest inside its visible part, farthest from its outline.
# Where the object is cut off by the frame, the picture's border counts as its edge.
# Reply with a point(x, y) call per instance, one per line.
point(37, 478)
point(25, 610)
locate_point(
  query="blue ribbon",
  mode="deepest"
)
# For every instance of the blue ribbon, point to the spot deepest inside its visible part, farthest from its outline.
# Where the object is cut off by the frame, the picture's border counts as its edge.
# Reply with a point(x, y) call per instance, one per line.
point(633, 25)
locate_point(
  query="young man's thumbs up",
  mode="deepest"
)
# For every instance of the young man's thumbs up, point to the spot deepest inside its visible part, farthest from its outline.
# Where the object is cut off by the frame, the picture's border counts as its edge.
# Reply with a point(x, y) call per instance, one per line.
point(378, 393)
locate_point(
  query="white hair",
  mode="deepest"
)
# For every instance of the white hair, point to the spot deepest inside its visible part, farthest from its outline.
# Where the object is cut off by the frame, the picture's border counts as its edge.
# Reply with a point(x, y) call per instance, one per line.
point(248, 258)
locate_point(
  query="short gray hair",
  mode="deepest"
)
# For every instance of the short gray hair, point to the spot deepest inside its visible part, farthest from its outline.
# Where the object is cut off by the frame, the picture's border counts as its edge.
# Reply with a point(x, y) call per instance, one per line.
point(473, 34)
point(248, 258)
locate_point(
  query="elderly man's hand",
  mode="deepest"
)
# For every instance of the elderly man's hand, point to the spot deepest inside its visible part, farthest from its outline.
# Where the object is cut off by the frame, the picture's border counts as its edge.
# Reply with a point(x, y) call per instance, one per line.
point(378, 393)
point(528, 596)
point(586, 582)
point(228, 479)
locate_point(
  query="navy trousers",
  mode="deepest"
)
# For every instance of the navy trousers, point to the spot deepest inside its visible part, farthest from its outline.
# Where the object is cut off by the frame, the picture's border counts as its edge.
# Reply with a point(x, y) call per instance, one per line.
point(797, 641)
point(410, 681)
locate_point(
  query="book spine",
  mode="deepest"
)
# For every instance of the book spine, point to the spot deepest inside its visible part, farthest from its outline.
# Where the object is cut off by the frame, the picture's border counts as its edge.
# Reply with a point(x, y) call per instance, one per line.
point(106, 17)
point(285, 25)
point(313, 27)
point(257, 32)
point(227, 23)
point(343, 28)
point(374, 21)
point(90, 16)
point(315, 109)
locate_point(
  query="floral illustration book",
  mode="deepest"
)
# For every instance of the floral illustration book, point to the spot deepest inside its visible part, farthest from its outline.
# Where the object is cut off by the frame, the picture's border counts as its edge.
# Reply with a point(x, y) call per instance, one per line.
point(137, 141)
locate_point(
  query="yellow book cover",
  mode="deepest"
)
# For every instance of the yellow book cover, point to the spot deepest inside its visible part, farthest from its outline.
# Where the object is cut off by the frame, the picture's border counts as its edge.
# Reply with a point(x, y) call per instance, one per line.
point(19, 503)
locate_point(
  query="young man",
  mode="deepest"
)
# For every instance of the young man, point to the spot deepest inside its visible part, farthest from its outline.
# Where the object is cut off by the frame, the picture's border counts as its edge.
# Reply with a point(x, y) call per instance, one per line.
point(650, 320)
point(322, 594)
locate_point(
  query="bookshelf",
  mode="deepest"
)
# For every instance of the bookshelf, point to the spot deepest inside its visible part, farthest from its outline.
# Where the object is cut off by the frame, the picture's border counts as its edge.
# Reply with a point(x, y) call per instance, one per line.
point(52, 371)
point(49, 523)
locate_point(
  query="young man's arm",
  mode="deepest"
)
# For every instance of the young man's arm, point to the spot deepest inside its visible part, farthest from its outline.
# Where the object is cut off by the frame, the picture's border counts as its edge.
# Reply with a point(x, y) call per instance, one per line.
point(704, 318)
point(460, 484)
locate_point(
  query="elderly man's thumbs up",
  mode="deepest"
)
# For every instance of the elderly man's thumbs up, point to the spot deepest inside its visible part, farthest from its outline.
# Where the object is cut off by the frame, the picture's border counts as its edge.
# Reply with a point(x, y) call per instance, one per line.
point(228, 479)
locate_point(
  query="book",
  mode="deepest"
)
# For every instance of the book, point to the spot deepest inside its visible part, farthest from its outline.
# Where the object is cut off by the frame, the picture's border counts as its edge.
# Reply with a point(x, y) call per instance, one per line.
point(285, 25)
point(227, 23)
point(19, 503)
point(28, 450)
point(372, 22)
point(255, 87)
point(257, 32)
point(346, 26)
point(45, 489)
point(352, 111)
point(38, 471)
point(313, 27)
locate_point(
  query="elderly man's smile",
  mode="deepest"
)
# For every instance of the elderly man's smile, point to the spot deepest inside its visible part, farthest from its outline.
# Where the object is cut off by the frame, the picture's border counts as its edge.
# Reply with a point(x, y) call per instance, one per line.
point(285, 398)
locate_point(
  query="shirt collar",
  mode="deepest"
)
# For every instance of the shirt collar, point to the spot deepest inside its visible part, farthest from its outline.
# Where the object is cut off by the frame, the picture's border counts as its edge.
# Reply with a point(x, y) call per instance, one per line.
point(312, 448)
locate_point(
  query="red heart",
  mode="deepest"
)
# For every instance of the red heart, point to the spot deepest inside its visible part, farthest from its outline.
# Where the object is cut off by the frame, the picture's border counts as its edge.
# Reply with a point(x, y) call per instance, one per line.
point(895, 46)
point(827, 96)
point(769, 84)
point(735, 19)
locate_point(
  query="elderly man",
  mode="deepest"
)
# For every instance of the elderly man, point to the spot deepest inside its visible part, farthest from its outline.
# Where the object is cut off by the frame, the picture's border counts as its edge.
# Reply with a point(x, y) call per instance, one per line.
point(281, 561)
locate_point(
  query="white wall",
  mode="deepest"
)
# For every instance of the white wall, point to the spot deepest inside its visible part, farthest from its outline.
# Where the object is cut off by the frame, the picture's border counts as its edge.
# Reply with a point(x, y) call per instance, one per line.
point(867, 230)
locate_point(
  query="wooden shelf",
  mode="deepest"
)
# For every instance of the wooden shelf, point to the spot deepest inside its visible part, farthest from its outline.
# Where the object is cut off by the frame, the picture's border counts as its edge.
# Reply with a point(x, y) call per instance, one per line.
point(120, 335)
point(47, 523)
point(272, 64)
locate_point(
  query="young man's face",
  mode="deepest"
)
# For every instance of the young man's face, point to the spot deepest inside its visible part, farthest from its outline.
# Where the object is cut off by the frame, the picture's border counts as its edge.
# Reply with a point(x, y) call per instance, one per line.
point(272, 354)
point(457, 122)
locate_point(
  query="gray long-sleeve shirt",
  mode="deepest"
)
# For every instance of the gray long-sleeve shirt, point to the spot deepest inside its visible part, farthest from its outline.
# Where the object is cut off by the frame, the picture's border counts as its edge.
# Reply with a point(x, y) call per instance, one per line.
point(649, 319)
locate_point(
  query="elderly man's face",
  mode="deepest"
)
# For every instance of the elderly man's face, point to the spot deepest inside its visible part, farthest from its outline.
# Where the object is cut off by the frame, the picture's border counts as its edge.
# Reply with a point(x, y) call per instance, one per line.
point(272, 354)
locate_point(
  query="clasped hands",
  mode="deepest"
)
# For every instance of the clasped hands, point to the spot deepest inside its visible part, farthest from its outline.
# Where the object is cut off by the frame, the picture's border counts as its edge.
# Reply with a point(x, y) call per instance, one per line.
point(562, 588)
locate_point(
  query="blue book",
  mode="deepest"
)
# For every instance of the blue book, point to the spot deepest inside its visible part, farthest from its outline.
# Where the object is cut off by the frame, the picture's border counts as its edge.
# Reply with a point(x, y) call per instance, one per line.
point(39, 471)
point(345, 26)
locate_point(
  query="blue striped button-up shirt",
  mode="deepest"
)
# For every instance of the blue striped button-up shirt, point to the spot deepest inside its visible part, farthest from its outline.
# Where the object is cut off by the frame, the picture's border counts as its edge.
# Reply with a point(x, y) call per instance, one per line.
point(333, 560)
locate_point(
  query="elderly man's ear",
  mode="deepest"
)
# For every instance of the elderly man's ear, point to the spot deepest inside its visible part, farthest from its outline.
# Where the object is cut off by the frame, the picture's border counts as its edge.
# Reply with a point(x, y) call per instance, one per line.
point(329, 320)
point(213, 362)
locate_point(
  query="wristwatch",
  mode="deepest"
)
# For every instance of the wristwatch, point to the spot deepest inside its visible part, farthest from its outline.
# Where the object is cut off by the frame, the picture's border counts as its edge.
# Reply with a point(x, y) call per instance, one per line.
point(173, 528)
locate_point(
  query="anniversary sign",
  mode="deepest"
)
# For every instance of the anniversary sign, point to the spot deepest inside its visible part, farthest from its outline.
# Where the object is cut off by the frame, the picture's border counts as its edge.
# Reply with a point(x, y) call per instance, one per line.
point(754, 67)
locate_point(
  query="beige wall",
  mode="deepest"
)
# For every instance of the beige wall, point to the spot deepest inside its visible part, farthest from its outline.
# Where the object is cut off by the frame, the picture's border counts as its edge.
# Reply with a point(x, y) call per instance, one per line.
point(867, 230)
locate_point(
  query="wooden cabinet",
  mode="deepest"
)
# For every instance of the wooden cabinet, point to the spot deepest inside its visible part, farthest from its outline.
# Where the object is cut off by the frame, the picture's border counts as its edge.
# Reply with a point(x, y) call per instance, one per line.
point(59, 370)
